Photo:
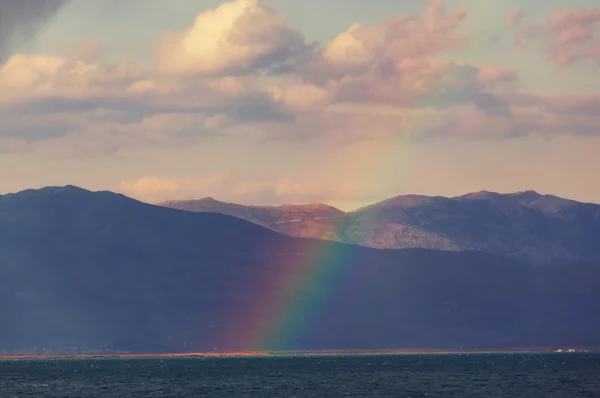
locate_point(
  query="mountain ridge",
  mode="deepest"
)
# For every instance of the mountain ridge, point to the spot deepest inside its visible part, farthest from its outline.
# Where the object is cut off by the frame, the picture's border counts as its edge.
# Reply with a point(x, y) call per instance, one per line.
point(472, 194)
point(525, 225)
point(105, 273)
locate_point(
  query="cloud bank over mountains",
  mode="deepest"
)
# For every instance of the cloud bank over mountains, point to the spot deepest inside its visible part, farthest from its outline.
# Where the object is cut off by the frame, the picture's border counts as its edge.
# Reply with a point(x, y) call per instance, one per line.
point(241, 70)
point(230, 186)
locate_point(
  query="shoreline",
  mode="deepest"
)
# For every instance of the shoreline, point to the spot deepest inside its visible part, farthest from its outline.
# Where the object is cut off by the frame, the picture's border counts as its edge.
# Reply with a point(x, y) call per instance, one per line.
point(525, 350)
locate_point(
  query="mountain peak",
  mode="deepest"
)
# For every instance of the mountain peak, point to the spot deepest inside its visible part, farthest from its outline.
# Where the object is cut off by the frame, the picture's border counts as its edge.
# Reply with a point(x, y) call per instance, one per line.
point(480, 195)
point(50, 190)
point(529, 195)
point(202, 201)
point(521, 196)
point(407, 200)
point(205, 200)
point(57, 189)
point(308, 206)
point(528, 192)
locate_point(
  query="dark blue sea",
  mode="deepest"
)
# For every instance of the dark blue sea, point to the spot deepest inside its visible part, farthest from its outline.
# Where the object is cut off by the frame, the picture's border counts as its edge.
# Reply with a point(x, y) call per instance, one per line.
point(463, 375)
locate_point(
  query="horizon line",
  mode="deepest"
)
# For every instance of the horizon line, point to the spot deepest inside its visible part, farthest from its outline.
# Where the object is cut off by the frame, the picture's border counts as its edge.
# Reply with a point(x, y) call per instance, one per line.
point(171, 201)
point(323, 352)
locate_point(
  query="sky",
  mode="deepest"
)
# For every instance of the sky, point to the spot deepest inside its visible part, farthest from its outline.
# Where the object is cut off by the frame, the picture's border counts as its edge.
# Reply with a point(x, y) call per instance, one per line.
point(345, 102)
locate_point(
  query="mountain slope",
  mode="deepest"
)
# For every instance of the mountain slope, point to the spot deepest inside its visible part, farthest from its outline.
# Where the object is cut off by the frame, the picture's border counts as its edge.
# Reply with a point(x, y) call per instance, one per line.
point(303, 221)
point(526, 225)
point(101, 271)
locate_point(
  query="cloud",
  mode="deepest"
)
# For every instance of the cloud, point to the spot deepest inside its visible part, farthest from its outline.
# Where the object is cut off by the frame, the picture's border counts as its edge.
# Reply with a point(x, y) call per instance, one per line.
point(75, 96)
point(525, 114)
point(21, 19)
point(241, 71)
point(236, 188)
point(26, 77)
point(44, 96)
point(573, 36)
point(237, 37)
point(514, 17)
point(222, 84)
point(513, 21)
point(421, 83)
point(300, 97)
point(87, 50)
point(51, 82)
point(398, 39)
point(397, 63)
point(569, 36)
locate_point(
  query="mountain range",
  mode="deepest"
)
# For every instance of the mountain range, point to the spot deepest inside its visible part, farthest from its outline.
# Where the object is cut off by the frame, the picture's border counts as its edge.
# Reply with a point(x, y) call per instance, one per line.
point(527, 226)
point(97, 271)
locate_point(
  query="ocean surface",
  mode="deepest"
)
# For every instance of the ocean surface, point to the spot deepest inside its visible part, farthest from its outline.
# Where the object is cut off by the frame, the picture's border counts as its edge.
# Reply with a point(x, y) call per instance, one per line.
point(450, 375)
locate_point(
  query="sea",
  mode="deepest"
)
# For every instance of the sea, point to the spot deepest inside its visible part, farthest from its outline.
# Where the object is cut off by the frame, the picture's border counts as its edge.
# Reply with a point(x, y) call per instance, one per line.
point(447, 375)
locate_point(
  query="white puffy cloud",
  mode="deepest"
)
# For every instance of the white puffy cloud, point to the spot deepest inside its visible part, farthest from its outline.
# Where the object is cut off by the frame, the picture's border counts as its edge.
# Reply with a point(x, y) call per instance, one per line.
point(27, 77)
point(236, 37)
point(215, 79)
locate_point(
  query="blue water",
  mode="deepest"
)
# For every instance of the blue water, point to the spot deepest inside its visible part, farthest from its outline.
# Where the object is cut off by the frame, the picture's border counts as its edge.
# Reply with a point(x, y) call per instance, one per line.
point(464, 375)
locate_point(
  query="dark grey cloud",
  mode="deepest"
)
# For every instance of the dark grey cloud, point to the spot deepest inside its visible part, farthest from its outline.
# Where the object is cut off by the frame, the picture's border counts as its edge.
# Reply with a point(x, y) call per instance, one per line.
point(22, 19)
point(33, 127)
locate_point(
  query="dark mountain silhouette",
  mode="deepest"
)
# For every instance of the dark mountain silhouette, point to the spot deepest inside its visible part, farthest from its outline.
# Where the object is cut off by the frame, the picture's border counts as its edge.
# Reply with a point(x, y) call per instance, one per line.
point(527, 225)
point(99, 270)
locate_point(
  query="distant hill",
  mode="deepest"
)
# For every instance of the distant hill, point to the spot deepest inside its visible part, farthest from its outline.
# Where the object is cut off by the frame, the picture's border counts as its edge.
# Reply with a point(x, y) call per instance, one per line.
point(303, 221)
point(527, 225)
point(99, 271)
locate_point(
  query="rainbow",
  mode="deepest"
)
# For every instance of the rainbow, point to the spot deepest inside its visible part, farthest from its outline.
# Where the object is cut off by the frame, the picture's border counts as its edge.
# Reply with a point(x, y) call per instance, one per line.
point(288, 301)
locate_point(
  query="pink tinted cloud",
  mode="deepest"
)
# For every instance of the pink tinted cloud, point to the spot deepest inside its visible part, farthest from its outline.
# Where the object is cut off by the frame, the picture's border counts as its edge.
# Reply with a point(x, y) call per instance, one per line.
point(572, 18)
point(363, 84)
point(513, 21)
point(221, 87)
point(514, 17)
point(397, 39)
point(526, 114)
point(229, 186)
point(569, 35)
point(396, 63)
